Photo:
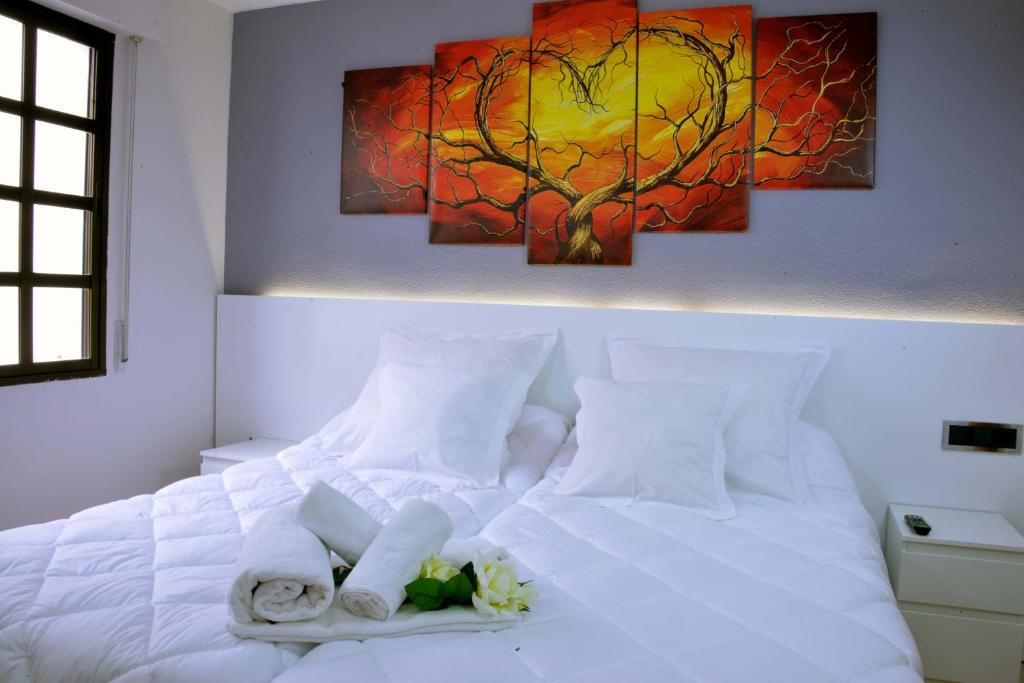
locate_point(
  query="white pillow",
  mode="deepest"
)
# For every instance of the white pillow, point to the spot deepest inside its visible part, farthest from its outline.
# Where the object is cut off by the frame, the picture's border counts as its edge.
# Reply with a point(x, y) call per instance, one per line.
point(519, 351)
point(652, 441)
point(448, 425)
point(532, 444)
point(759, 440)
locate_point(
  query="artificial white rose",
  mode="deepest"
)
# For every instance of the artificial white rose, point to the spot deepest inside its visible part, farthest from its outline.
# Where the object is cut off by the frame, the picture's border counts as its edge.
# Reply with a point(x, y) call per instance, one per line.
point(497, 589)
point(436, 568)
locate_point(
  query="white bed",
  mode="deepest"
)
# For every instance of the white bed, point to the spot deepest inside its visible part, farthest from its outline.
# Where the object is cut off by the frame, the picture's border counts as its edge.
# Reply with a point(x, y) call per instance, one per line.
point(134, 590)
point(651, 592)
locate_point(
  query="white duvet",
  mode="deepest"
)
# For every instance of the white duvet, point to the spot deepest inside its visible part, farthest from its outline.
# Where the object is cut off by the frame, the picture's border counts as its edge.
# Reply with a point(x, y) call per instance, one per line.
point(135, 590)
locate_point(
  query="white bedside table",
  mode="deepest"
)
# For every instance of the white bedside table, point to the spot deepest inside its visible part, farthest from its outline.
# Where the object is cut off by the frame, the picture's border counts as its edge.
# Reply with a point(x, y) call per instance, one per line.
point(219, 459)
point(961, 590)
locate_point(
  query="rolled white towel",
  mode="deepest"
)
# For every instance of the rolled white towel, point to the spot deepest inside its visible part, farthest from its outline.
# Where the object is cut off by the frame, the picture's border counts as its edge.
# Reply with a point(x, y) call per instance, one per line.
point(283, 572)
point(376, 586)
point(341, 524)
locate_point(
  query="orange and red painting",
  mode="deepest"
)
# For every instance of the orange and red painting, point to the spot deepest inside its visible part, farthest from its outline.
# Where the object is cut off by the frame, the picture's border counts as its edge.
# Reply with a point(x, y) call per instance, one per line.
point(479, 150)
point(694, 119)
point(582, 132)
point(385, 139)
point(815, 97)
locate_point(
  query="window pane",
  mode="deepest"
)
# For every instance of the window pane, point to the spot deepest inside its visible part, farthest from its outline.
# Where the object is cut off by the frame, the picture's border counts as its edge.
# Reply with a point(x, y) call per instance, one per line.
point(10, 222)
point(58, 240)
point(57, 314)
point(62, 74)
point(11, 48)
point(10, 149)
point(60, 158)
point(8, 325)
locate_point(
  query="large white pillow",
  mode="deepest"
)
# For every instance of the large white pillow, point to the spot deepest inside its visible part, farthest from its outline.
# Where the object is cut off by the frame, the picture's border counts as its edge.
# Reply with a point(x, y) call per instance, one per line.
point(517, 351)
point(448, 425)
point(658, 441)
point(759, 440)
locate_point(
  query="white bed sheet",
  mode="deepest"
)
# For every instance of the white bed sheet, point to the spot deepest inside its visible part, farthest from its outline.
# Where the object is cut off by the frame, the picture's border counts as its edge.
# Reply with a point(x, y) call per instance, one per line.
point(135, 590)
point(782, 593)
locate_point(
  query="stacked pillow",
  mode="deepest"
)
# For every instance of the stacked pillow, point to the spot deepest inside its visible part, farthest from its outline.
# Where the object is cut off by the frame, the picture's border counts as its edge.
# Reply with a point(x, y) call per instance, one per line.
point(442, 405)
point(680, 424)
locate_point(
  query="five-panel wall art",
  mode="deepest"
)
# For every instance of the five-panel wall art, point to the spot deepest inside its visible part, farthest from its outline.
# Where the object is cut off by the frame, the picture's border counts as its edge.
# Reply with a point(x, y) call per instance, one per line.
point(607, 122)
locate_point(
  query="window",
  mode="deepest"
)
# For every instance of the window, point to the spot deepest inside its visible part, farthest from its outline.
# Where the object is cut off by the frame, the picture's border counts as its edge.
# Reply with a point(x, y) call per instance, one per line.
point(55, 89)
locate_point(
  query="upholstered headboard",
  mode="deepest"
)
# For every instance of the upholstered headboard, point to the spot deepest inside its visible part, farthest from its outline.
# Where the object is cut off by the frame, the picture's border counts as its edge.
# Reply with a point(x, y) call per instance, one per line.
point(287, 365)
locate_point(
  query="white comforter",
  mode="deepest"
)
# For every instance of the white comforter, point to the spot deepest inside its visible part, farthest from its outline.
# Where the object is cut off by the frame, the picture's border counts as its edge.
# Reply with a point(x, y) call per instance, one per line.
point(652, 593)
point(135, 590)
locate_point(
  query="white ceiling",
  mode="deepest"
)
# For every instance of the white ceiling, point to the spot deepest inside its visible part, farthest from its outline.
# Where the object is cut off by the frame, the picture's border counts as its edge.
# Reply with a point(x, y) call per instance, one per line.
point(245, 5)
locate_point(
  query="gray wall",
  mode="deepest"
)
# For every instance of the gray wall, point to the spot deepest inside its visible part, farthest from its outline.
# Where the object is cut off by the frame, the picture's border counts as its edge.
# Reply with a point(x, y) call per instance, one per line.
point(941, 236)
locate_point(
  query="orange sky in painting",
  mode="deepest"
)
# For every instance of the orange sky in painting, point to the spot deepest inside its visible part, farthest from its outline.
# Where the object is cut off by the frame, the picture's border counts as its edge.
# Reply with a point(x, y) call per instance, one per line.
point(584, 145)
point(836, 82)
point(385, 124)
point(669, 76)
point(457, 83)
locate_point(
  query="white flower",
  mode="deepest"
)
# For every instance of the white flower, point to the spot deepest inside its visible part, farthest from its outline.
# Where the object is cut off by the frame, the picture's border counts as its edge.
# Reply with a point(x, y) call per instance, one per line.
point(497, 589)
point(436, 568)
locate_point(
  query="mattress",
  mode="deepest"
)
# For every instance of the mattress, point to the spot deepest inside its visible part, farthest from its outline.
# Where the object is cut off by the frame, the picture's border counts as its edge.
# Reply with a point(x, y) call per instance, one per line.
point(782, 593)
point(135, 590)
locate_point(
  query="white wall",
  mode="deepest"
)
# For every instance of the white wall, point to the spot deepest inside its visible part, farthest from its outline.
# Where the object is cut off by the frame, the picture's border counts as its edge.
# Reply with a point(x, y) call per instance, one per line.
point(67, 445)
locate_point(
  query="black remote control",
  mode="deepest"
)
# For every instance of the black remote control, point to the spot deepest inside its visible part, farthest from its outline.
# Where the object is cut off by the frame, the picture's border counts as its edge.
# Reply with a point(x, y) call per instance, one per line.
point(917, 523)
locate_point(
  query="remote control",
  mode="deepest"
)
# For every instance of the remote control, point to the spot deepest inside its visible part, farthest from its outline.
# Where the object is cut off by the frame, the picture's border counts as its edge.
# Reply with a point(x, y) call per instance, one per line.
point(917, 523)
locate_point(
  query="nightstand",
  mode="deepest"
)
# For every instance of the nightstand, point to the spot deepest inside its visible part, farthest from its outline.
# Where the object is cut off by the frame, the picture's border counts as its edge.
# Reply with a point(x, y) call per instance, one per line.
point(217, 460)
point(961, 591)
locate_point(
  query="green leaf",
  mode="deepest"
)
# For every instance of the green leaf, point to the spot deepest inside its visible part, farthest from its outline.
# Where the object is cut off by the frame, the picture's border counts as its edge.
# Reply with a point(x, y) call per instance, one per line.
point(468, 571)
point(426, 594)
point(459, 590)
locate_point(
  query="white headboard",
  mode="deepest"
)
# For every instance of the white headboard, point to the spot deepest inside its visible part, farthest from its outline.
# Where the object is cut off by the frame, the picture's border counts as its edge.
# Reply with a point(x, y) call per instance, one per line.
point(285, 366)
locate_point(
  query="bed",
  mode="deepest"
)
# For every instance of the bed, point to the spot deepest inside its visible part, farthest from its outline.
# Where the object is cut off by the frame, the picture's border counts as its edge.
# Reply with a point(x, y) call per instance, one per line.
point(134, 590)
point(652, 592)
point(782, 591)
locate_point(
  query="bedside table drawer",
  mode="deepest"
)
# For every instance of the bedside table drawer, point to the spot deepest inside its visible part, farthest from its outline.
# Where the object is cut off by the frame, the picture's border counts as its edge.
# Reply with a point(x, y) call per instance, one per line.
point(964, 649)
point(992, 583)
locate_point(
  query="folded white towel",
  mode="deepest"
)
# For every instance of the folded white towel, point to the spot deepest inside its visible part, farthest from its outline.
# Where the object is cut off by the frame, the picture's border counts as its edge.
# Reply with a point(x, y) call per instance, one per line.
point(283, 572)
point(337, 623)
point(341, 524)
point(376, 586)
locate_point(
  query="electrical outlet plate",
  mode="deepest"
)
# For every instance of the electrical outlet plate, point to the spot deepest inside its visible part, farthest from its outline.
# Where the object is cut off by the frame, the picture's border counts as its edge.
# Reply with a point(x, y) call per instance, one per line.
point(982, 437)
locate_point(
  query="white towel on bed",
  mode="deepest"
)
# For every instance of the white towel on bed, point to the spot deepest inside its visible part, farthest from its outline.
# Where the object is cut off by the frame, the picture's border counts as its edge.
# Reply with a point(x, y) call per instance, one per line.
point(376, 586)
point(337, 623)
point(341, 524)
point(283, 572)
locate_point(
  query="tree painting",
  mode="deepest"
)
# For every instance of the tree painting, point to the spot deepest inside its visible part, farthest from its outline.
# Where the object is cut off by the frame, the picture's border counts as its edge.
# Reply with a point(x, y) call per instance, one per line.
point(479, 150)
point(582, 132)
point(815, 100)
point(694, 119)
point(385, 138)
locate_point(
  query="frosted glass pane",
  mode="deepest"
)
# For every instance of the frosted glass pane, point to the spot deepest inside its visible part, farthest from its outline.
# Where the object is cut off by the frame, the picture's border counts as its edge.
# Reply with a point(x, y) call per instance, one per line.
point(10, 149)
point(62, 74)
point(10, 222)
point(11, 48)
point(56, 324)
point(60, 158)
point(58, 240)
point(8, 325)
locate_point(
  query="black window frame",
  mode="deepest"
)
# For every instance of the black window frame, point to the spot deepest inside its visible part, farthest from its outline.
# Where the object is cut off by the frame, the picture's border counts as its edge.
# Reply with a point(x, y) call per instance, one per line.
point(35, 17)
